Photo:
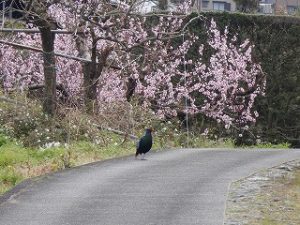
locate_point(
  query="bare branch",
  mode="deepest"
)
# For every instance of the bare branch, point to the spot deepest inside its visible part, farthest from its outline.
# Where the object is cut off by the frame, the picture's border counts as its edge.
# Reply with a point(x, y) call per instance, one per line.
point(56, 53)
point(32, 31)
point(40, 50)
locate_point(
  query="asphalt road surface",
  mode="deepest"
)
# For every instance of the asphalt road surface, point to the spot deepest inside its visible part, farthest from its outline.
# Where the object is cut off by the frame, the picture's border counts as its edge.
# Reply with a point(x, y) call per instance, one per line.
point(176, 187)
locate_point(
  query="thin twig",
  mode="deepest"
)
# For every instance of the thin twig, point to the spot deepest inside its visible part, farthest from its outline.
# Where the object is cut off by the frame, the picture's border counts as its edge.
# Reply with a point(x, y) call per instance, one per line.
point(133, 137)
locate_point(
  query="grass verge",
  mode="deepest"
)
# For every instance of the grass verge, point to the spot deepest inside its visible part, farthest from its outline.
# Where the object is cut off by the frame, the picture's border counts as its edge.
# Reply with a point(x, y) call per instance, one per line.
point(284, 201)
point(269, 197)
point(18, 163)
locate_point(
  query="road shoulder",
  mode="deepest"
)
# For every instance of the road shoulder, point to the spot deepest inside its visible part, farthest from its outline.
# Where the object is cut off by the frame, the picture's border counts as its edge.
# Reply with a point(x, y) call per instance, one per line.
point(269, 196)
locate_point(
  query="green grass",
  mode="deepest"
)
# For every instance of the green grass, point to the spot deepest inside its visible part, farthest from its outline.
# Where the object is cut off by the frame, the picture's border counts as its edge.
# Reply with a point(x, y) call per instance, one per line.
point(9, 178)
point(275, 146)
point(203, 142)
point(11, 154)
point(3, 139)
point(18, 163)
point(269, 221)
point(180, 140)
point(8, 175)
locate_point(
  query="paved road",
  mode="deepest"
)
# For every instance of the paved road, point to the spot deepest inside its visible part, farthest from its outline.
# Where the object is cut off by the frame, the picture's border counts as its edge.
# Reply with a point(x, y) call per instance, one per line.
point(169, 188)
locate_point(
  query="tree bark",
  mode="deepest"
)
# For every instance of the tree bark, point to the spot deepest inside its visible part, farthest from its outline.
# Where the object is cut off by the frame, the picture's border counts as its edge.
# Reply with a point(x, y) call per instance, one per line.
point(131, 85)
point(92, 72)
point(49, 102)
point(163, 4)
point(36, 12)
point(89, 71)
point(90, 90)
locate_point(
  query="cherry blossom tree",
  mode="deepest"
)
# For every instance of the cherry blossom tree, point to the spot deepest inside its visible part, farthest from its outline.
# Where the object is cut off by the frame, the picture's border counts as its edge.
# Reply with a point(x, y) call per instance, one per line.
point(228, 84)
point(112, 36)
point(23, 69)
point(133, 55)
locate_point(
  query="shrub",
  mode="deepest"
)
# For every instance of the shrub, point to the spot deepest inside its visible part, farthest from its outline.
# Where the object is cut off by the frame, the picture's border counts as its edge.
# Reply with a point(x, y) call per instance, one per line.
point(8, 176)
point(3, 139)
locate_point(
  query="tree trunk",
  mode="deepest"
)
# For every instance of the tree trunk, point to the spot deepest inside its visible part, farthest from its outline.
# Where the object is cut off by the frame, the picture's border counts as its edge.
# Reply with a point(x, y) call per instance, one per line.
point(49, 103)
point(92, 73)
point(131, 85)
point(36, 12)
point(90, 87)
point(91, 70)
point(83, 52)
point(90, 81)
point(163, 4)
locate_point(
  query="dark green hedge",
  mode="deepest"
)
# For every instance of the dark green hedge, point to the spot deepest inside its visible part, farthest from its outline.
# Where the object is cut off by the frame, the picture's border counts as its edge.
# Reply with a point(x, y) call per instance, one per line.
point(277, 48)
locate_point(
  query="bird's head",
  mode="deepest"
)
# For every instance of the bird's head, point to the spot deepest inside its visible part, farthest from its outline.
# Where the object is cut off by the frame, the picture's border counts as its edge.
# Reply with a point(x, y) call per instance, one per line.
point(149, 130)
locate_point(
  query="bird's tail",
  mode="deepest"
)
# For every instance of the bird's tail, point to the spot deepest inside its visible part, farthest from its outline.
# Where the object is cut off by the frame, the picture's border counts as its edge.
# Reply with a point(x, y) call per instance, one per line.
point(136, 154)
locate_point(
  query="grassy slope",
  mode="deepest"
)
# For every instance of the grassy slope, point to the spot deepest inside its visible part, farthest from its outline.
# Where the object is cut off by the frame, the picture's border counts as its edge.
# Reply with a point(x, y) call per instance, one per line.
point(18, 163)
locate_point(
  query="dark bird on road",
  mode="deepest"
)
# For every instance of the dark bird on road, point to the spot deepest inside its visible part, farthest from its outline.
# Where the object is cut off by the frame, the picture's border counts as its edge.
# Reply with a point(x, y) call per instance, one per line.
point(144, 144)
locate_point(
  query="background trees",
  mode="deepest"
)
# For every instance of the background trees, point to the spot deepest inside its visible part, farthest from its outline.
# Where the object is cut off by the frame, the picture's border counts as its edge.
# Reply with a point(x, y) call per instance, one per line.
point(247, 6)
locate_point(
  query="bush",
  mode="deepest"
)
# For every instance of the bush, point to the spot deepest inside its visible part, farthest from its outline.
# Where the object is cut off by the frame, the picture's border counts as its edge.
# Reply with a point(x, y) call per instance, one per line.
point(9, 177)
point(3, 139)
